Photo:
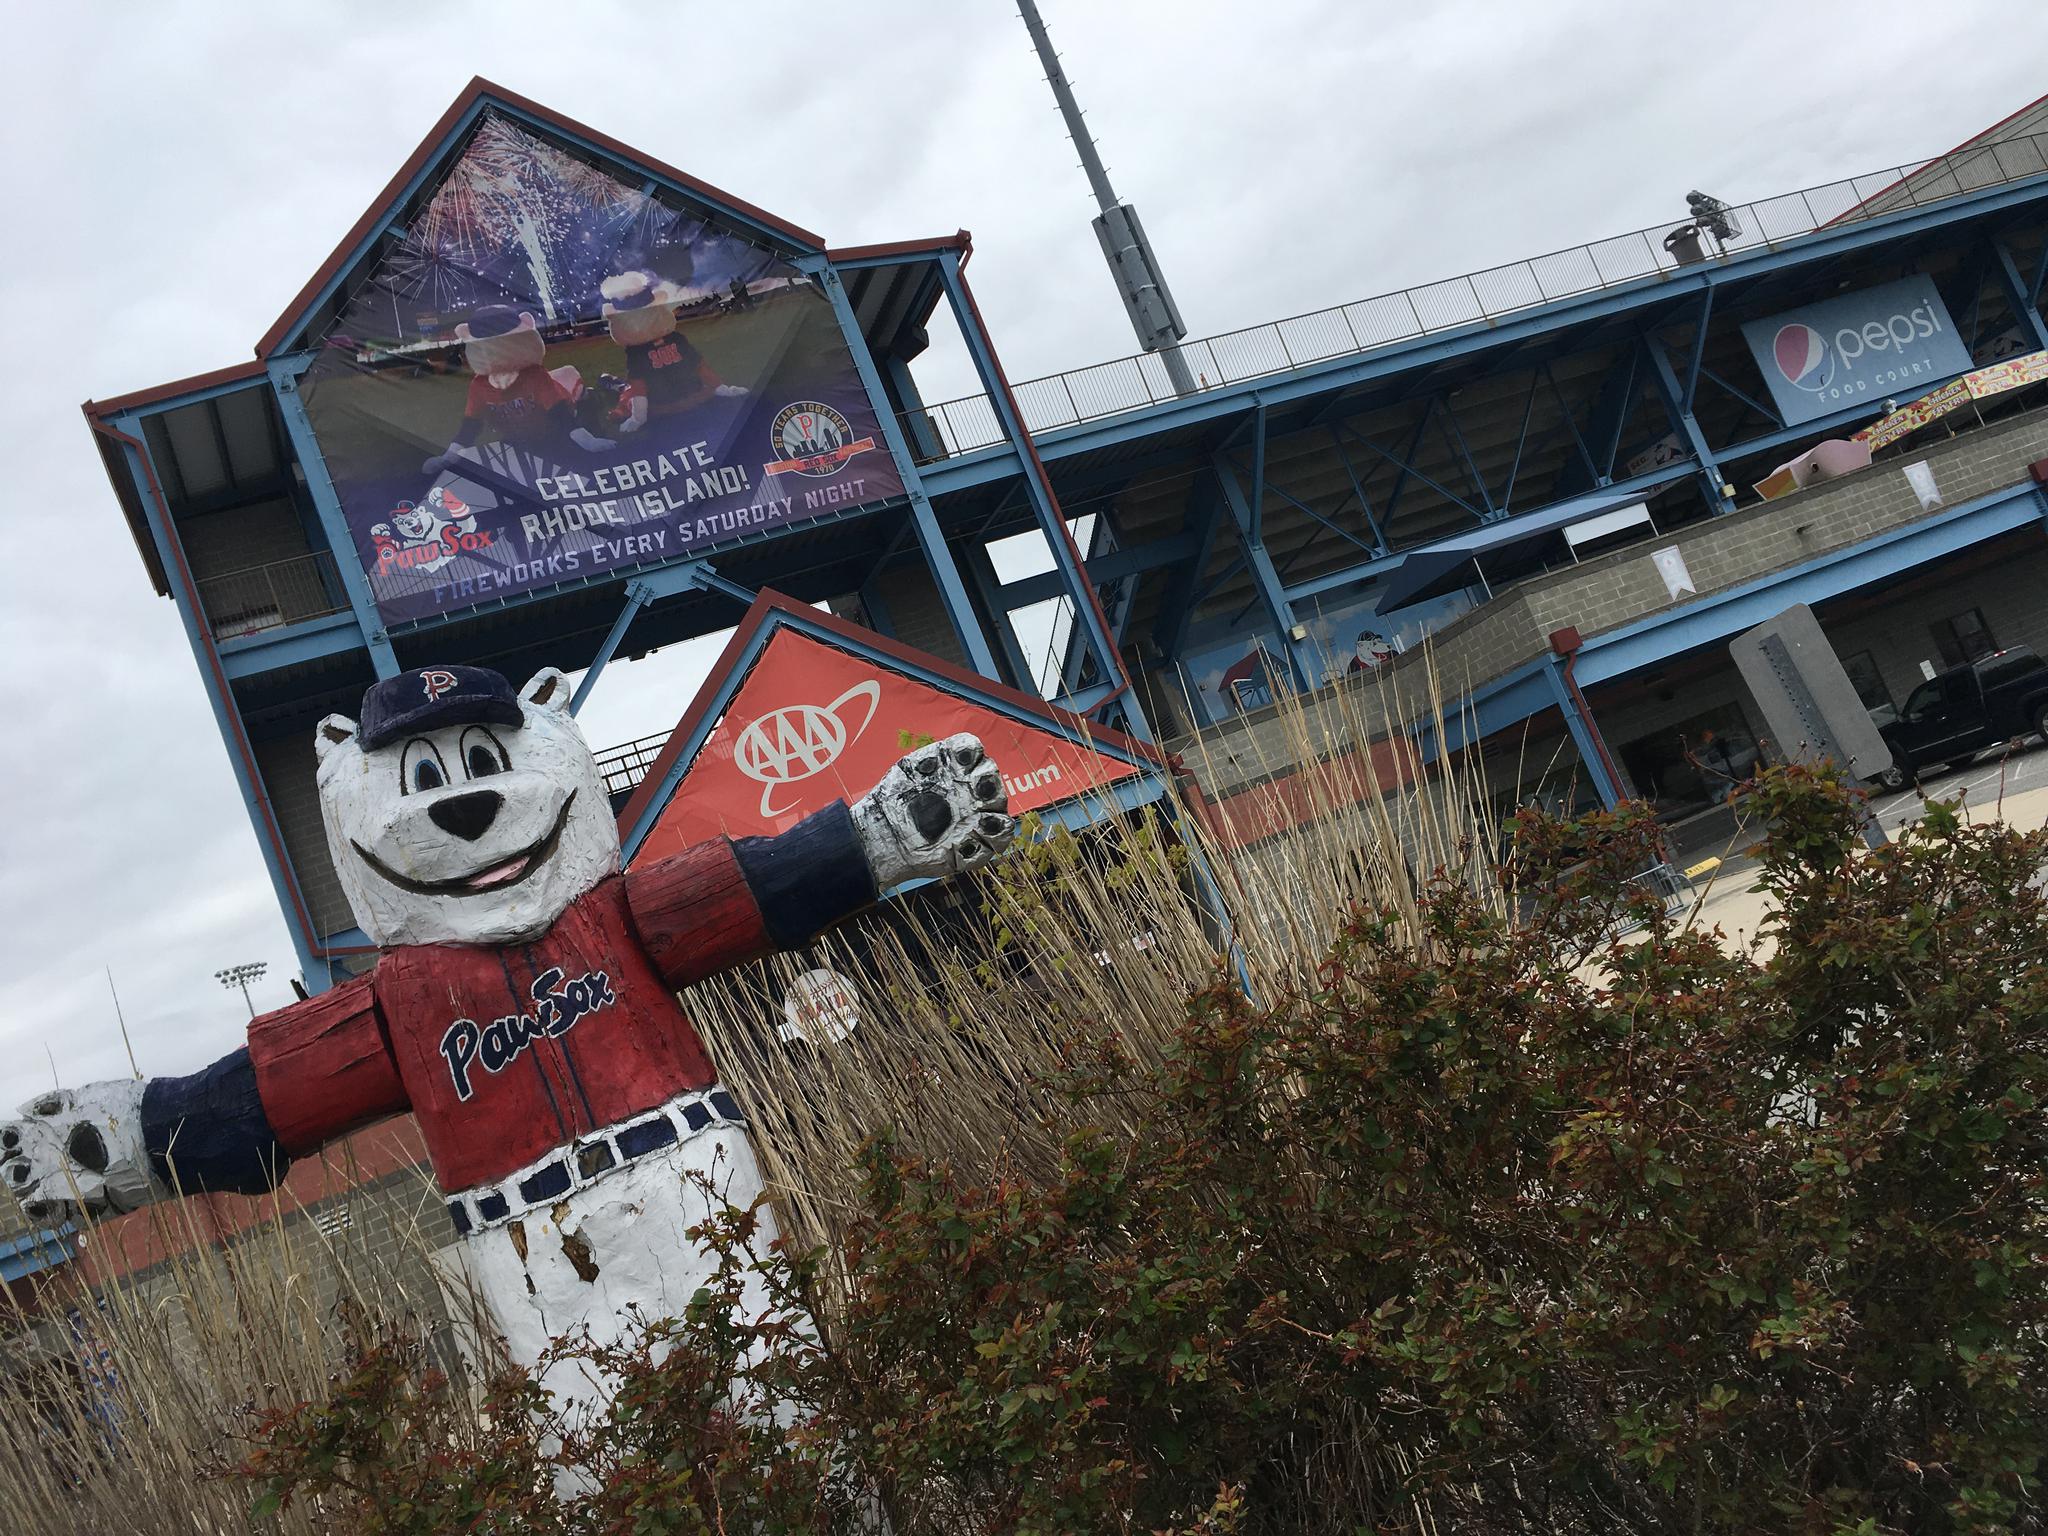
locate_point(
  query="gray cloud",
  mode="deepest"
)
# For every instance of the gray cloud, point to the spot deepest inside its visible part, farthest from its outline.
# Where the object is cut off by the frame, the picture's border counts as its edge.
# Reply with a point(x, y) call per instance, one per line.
point(176, 170)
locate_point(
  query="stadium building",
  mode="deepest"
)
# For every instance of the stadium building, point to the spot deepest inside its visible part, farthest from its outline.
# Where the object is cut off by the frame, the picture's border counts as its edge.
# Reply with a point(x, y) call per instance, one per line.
point(1578, 475)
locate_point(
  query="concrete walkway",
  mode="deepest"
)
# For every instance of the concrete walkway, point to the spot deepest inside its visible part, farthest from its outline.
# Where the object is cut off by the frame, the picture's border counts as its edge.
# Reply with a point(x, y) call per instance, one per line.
point(2014, 791)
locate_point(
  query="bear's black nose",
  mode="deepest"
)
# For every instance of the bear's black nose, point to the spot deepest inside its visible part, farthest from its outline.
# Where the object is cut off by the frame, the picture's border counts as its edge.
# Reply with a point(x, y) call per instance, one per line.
point(468, 816)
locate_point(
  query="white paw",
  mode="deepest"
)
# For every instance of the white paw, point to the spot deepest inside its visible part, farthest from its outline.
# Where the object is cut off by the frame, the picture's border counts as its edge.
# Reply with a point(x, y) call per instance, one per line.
point(83, 1149)
point(731, 391)
point(940, 810)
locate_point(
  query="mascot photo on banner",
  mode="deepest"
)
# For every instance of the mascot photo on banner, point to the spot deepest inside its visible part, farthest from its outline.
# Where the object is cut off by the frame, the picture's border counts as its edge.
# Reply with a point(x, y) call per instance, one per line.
point(523, 1006)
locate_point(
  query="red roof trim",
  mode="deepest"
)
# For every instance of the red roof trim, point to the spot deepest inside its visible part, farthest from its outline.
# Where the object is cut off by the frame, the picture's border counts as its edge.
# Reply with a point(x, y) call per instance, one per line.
point(100, 410)
point(960, 240)
point(482, 89)
point(770, 602)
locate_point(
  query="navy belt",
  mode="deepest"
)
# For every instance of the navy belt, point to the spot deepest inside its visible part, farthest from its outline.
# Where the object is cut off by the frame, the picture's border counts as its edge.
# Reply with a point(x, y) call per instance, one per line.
point(591, 1158)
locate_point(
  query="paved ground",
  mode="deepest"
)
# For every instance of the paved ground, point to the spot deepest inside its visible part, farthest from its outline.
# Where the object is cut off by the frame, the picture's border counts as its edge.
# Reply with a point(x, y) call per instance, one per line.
point(2013, 790)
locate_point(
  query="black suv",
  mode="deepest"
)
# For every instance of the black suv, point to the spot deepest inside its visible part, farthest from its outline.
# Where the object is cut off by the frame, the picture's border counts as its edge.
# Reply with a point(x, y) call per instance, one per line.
point(1956, 714)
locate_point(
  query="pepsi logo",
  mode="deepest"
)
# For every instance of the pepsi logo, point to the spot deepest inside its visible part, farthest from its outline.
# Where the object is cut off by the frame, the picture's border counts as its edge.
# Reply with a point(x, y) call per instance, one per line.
point(798, 741)
point(1803, 356)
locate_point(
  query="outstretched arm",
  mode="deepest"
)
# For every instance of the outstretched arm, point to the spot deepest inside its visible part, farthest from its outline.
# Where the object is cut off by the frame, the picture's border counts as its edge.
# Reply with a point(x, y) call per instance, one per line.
point(939, 811)
point(309, 1073)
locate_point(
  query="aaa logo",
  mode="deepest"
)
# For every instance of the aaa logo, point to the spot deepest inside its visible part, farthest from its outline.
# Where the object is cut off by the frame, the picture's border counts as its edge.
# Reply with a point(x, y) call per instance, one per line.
point(797, 741)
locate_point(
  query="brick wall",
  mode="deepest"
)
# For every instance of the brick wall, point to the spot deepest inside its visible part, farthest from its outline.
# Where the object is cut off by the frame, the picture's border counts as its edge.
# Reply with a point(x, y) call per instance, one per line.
point(1624, 586)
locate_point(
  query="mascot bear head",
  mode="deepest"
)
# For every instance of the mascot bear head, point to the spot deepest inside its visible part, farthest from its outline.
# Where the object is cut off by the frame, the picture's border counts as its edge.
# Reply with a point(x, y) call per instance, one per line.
point(639, 308)
point(500, 343)
point(461, 812)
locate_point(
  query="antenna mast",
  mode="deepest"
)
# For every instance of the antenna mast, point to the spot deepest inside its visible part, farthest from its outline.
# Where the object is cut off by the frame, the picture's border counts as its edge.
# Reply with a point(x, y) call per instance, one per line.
point(1131, 263)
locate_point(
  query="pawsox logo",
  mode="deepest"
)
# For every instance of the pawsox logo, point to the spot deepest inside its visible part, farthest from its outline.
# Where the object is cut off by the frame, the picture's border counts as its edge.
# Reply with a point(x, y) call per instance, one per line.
point(795, 742)
point(556, 1008)
point(812, 439)
point(1804, 357)
point(425, 536)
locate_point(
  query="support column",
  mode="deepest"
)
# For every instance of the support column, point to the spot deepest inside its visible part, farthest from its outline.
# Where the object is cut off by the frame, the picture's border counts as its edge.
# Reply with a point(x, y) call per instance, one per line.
point(1682, 418)
point(1088, 615)
point(924, 522)
point(1585, 733)
point(284, 384)
point(2033, 328)
point(1272, 592)
point(638, 595)
point(981, 570)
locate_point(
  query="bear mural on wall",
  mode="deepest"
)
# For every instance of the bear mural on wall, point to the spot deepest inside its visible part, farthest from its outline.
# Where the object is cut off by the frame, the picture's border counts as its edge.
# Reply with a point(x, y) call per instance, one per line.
point(523, 1006)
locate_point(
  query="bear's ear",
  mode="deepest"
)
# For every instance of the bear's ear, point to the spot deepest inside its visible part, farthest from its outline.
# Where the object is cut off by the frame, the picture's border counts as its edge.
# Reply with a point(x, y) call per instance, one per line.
point(526, 322)
point(547, 689)
point(332, 734)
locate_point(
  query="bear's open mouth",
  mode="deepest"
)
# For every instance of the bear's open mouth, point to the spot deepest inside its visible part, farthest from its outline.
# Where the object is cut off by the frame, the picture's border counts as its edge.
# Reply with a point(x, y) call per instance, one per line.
point(493, 877)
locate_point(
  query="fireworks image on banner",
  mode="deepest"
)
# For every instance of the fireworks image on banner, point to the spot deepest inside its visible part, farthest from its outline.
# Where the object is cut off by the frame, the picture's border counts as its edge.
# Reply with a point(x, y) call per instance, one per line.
point(517, 221)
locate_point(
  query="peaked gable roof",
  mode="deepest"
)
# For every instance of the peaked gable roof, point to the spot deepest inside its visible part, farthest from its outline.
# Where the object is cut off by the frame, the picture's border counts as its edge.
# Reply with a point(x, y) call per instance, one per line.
point(773, 610)
point(444, 141)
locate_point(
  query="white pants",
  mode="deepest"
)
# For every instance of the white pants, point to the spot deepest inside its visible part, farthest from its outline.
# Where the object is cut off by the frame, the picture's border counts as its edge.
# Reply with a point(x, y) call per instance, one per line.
point(612, 1256)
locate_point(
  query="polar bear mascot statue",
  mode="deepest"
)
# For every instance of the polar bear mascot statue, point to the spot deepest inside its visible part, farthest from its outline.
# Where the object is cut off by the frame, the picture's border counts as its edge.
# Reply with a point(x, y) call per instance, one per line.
point(523, 1006)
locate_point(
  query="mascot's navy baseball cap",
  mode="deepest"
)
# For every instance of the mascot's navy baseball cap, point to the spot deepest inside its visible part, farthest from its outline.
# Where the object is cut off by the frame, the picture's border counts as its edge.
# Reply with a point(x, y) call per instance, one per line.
point(495, 320)
point(427, 698)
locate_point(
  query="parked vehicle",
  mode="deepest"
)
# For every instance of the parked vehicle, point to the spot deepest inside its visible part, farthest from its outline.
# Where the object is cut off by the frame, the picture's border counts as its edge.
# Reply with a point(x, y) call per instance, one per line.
point(1956, 714)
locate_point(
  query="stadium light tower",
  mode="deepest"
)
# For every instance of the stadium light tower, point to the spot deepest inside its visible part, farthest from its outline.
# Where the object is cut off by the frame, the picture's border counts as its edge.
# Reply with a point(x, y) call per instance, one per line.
point(1139, 281)
point(235, 976)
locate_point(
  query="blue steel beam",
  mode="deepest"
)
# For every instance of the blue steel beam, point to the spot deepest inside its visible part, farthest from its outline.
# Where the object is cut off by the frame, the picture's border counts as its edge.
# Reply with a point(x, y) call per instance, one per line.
point(996, 604)
point(313, 967)
point(1584, 735)
point(1699, 349)
point(650, 587)
point(1507, 489)
point(284, 381)
point(1379, 534)
point(1734, 392)
point(1710, 481)
point(1201, 518)
point(1455, 436)
point(1103, 569)
point(1408, 471)
point(2019, 296)
point(1088, 615)
point(291, 645)
point(938, 557)
point(1267, 580)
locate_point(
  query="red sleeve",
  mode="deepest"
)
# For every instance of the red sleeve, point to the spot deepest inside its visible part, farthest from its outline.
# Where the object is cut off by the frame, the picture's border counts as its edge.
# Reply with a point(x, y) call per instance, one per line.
point(695, 914)
point(323, 1067)
point(481, 394)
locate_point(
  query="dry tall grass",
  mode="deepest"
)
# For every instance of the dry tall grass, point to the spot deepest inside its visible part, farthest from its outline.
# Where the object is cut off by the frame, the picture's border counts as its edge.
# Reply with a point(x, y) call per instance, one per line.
point(965, 1008)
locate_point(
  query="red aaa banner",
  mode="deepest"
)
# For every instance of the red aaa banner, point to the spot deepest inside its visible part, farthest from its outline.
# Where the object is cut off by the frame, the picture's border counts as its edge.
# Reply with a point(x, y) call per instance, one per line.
point(813, 724)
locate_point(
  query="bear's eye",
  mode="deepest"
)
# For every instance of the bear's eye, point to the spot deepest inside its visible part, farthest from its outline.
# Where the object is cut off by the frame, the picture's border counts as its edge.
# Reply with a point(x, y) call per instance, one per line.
point(421, 768)
point(483, 754)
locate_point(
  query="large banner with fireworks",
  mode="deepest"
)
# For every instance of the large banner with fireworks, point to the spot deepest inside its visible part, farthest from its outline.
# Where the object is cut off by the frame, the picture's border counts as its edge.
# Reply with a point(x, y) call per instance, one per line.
point(556, 376)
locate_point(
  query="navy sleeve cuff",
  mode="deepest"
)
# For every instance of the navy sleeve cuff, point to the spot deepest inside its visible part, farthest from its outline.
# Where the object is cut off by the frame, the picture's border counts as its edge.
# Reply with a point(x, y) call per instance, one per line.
point(208, 1131)
point(808, 878)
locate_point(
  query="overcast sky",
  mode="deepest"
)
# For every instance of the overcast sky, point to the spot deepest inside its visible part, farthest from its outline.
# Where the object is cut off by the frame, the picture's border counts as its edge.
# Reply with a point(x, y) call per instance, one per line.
point(176, 171)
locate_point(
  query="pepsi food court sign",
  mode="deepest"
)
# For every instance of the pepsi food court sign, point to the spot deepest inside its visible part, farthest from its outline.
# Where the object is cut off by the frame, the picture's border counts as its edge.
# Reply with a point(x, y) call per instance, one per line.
point(1862, 346)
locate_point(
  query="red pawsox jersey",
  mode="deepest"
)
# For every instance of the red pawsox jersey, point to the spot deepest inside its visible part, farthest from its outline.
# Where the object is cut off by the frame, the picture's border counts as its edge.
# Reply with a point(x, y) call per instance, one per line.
point(504, 1053)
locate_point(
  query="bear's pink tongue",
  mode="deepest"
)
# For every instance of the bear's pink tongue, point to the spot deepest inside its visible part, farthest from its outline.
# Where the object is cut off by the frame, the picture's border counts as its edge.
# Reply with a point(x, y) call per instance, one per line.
point(498, 874)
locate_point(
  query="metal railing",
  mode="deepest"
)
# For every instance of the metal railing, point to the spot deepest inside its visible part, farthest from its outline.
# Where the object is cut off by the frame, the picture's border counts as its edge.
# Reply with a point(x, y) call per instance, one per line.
point(261, 597)
point(1128, 383)
point(623, 767)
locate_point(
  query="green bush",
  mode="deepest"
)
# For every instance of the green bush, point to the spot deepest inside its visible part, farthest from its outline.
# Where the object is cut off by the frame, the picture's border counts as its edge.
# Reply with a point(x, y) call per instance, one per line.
point(1522, 1229)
